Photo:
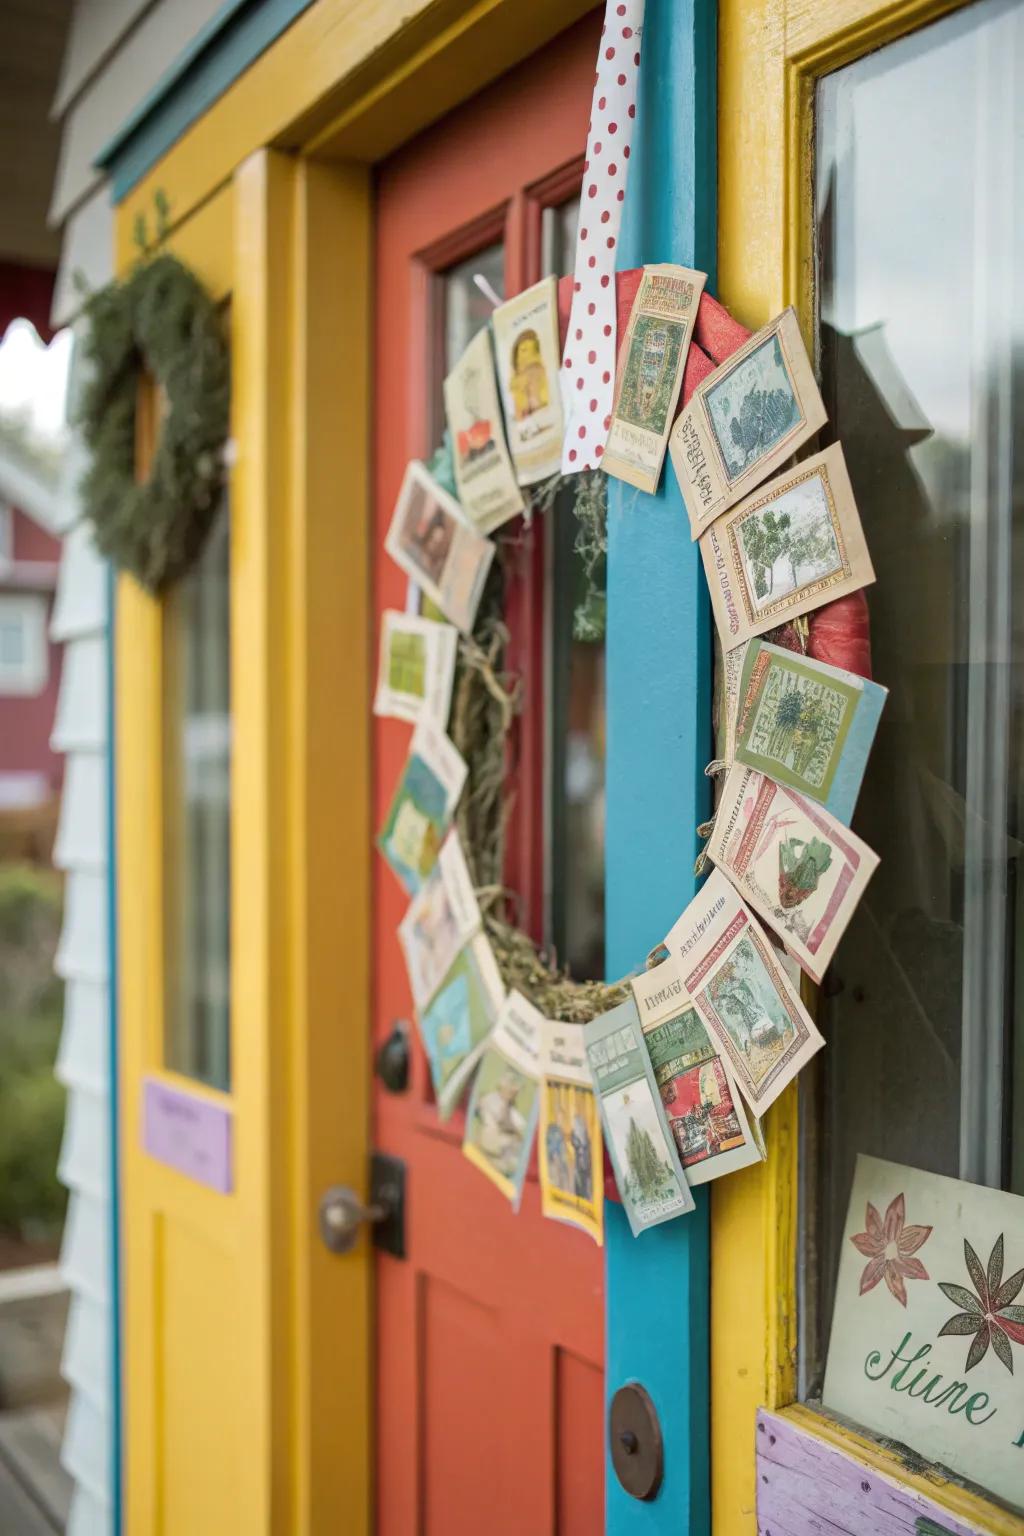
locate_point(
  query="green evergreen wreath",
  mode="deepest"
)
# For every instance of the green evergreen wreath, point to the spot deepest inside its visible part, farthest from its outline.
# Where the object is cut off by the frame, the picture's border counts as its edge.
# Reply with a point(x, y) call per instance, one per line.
point(159, 320)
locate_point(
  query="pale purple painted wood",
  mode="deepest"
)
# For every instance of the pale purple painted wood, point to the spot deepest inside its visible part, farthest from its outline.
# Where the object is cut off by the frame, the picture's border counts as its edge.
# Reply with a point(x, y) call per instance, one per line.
point(187, 1133)
point(808, 1488)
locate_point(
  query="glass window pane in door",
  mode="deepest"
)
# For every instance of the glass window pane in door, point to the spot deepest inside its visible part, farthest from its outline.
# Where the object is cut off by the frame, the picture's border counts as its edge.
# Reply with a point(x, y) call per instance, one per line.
point(462, 305)
point(197, 817)
point(919, 183)
point(575, 614)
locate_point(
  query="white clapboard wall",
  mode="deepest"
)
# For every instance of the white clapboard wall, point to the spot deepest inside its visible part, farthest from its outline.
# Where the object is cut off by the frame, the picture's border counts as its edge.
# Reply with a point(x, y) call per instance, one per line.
point(83, 1065)
point(117, 51)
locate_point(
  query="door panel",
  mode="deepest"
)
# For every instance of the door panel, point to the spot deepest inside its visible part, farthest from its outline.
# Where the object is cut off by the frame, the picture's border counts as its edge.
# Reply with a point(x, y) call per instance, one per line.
point(247, 1381)
point(489, 1342)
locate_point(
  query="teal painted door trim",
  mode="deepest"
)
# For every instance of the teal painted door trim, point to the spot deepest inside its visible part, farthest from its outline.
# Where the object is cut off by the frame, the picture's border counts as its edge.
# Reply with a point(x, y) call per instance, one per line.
point(659, 740)
point(231, 40)
point(114, 1088)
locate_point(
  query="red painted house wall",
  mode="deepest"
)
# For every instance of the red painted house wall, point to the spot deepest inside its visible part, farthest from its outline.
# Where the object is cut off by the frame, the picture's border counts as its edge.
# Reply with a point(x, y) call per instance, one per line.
point(31, 542)
point(26, 722)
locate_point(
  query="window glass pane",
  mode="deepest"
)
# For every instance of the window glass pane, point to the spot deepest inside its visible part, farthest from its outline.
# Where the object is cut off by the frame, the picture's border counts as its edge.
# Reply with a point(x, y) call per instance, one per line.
point(467, 305)
point(920, 169)
point(197, 816)
point(463, 306)
point(12, 642)
point(576, 692)
point(558, 236)
point(576, 749)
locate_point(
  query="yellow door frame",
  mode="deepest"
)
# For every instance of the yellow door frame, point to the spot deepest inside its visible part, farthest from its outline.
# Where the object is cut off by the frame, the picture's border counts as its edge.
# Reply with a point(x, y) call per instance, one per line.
point(771, 55)
point(247, 1345)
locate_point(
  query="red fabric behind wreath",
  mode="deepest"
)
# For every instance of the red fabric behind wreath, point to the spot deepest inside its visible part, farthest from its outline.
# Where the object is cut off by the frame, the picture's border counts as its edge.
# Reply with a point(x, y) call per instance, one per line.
point(838, 633)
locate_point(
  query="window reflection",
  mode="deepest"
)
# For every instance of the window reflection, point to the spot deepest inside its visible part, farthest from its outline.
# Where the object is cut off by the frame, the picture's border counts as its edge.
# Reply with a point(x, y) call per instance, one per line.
point(922, 355)
point(574, 608)
point(197, 816)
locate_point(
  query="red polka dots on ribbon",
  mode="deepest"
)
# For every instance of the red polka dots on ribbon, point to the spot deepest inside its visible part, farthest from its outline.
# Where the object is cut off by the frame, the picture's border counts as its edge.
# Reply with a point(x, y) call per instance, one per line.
point(588, 376)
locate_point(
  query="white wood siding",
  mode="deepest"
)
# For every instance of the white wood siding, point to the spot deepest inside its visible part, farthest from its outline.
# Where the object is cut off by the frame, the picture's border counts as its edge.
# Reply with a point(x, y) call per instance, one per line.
point(83, 1064)
point(97, 26)
point(142, 57)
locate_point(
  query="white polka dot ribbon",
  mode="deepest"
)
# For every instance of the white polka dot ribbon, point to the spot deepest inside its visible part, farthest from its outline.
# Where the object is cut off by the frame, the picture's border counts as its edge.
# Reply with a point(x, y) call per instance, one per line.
point(588, 366)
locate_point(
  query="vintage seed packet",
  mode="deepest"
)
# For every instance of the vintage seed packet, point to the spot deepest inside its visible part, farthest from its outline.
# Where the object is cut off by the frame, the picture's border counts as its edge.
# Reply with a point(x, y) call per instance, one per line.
point(725, 704)
point(502, 1115)
point(417, 668)
point(795, 544)
point(744, 420)
point(423, 805)
point(650, 373)
point(527, 351)
point(570, 1147)
point(927, 1344)
point(741, 992)
point(703, 1105)
point(457, 1021)
point(484, 475)
point(432, 542)
point(799, 868)
point(806, 724)
point(642, 1149)
point(442, 917)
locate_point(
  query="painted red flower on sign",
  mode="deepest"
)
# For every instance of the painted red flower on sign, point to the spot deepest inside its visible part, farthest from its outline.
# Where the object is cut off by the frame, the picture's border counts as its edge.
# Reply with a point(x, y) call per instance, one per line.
point(990, 1315)
point(889, 1247)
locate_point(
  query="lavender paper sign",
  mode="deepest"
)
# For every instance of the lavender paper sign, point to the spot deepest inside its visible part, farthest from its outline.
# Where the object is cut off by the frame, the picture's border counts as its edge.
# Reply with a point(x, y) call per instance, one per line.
point(188, 1133)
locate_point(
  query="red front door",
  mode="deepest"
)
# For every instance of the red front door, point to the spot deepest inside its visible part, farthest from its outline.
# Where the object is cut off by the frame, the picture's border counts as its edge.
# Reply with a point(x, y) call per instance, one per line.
point(490, 1331)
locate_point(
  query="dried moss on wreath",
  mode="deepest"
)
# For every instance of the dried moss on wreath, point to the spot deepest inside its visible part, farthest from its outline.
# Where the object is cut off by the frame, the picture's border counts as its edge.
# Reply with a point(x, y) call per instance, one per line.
point(158, 321)
point(486, 700)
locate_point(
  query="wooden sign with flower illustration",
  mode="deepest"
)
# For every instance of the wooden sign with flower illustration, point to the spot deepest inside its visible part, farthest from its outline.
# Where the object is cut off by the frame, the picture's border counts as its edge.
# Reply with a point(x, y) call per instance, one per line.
point(927, 1343)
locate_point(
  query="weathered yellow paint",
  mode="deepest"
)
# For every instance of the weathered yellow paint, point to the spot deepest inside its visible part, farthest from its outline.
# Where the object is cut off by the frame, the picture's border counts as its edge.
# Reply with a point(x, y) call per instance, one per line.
point(351, 79)
point(753, 1312)
point(959, 1502)
point(206, 243)
point(232, 1303)
point(771, 53)
point(329, 761)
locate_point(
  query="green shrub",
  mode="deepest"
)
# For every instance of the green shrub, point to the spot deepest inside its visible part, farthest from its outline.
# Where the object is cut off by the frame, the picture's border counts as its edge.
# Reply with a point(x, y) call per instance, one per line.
point(31, 1100)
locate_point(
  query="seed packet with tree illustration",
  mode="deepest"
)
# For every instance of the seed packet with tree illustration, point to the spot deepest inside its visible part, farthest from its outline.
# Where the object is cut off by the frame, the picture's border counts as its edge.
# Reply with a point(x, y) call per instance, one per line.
point(423, 805)
point(460, 1016)
point(502, 1114)
point(648, 1172)
point(799, 868)
point(744, 420)
point(807, 725)
point(703, 1105)
point(793, 546)
point(569, 1139)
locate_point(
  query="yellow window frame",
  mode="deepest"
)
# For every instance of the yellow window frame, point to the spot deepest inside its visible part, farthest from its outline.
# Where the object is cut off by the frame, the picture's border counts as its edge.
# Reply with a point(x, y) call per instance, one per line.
point(771, 55)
